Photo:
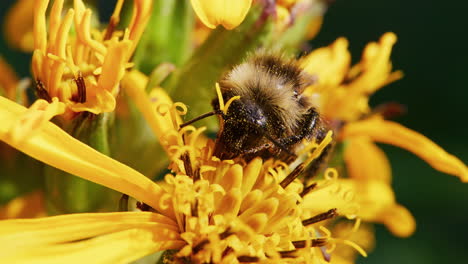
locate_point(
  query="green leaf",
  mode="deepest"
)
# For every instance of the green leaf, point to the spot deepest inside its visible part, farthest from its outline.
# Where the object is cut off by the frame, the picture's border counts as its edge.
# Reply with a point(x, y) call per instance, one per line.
point(168, 36)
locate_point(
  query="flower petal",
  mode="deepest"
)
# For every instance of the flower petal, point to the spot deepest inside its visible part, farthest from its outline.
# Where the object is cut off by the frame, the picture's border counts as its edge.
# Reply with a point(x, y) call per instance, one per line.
point(221, 12)
point(377, 204)
point(364, 160)
point(395, 134)
point(99, 238)
point(71, 227)
point(55, 147)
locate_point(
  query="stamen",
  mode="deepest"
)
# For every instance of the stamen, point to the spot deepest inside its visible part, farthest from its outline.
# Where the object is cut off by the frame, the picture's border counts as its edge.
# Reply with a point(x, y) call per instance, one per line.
point(41, 92)
point(226, 107)
point(292, 176)
point(247, 259)
point(320, 217)
point(194, 209)
point(200, 246)
point(288, 254)
point(308, 189)
point(227, 251)
point(196, 174)
point(318, 242)
point(187, 164)
point(143, 207)
point(225, 234)
point(220, 97)
point(114, 20)
point(388, 110)
point(81, 87)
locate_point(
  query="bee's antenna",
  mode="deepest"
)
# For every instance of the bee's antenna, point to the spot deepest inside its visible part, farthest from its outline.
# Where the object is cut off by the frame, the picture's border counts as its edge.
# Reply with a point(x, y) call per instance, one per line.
point(215, 112)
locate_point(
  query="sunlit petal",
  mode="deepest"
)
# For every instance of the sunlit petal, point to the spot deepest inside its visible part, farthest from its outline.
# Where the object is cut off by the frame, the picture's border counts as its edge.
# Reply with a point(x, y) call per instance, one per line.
point(98, 238)
point(395, 134)
point(55, 147)
point(78, 226)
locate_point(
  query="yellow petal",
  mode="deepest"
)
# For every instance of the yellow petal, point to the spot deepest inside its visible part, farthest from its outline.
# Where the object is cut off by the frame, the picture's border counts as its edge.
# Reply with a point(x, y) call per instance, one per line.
point(34, 118)
point(337, 195)
point(53, 146)
point(113, 67)
point(221, 12)
point(97, 238)
point(395, 134)
point(101, 102)
point(330, 64)
point(73, 227)
point(399, 221)
point(28, 206)
point(364, 160)
point(377, 204)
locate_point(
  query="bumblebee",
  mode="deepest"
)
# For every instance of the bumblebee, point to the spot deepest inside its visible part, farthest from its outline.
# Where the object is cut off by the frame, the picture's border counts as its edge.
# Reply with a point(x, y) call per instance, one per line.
point(272, 115)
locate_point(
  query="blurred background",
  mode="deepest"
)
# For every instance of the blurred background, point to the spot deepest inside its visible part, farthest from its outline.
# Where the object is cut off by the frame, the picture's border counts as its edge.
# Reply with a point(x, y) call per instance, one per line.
point(432, 51)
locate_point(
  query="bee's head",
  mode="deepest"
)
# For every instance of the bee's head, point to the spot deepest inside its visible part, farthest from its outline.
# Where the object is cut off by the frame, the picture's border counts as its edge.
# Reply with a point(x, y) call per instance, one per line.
point(245, 113)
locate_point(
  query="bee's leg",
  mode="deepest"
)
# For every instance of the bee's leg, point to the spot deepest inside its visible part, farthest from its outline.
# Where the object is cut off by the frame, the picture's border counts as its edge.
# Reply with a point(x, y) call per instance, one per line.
point(255, 150)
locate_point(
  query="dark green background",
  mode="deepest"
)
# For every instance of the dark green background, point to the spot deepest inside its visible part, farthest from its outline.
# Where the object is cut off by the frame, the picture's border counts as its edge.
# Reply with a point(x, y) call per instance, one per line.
point(432, 50)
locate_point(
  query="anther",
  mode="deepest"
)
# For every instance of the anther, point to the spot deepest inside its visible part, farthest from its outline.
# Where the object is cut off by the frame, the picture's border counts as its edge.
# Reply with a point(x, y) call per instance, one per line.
point(80, 96)
point(292, 176)
point(200, 246)
point(317, 242)
point(187, 164)
point(143, 207)
point(196, 174)
point(225, 234)
point(41, 92)
point(320, 217)
point(247, 259)
point(308, 189)
point(288, 253)
point(194, 209)
point(227, 251)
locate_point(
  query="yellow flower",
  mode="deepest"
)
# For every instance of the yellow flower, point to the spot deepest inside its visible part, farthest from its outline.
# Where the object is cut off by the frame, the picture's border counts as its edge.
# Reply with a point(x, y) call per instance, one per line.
point(342, 95)
point(83, 69)
point(227, 13)
point(208, 210)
